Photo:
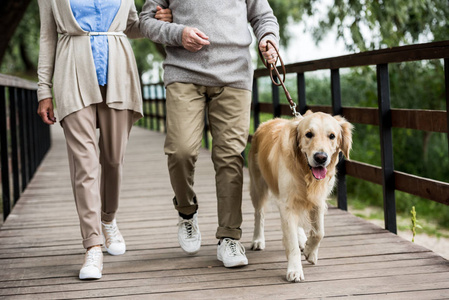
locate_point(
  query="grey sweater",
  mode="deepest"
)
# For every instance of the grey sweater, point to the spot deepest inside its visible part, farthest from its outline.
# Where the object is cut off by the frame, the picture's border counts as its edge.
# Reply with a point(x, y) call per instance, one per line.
point(227, 60)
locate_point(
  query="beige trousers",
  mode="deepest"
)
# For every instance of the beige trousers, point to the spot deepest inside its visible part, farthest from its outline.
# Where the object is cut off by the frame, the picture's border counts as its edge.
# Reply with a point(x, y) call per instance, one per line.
point(228, 112)
point(96, 193)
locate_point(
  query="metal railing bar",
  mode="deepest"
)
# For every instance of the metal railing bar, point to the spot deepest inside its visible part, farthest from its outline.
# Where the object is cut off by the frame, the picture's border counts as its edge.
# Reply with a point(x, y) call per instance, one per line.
point(386, 146)
point(6, 193)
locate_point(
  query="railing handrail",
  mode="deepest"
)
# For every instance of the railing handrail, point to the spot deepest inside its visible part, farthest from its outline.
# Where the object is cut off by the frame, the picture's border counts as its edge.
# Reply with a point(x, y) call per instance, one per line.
point(424, 51)
point(12, 81)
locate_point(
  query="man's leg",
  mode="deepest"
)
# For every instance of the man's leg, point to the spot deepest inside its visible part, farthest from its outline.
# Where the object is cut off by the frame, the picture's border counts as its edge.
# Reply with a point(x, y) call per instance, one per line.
point(185, 123)
point(229, 117)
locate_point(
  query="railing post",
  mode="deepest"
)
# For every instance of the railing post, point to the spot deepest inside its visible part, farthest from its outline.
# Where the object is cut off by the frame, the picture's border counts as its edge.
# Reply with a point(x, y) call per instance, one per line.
point(446, 85)
point(150, 105)
point(256, 105)
point(14, 148)
point(386, 147)
point(30, 152)
point(23, 121)
point(341, 170)
point(275, 97)
point(6, 194)
point(36, 140)
point(145, 96)
point(301, 87)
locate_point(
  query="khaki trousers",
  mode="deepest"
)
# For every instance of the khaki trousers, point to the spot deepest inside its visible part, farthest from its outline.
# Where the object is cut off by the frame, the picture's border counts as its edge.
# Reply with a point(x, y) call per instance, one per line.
point(96, 193)
point(228, 112)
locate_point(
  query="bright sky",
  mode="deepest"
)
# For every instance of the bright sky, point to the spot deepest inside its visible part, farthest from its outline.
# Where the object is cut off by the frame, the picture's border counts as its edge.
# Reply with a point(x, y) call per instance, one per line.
point(302, 47)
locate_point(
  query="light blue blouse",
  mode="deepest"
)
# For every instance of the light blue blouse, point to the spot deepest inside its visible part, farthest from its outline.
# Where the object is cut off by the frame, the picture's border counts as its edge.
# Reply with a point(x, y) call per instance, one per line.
point(97, 16)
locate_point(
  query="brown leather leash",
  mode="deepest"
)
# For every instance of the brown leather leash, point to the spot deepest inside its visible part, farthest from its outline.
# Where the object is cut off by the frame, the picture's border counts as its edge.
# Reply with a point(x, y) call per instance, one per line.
point(272, 67)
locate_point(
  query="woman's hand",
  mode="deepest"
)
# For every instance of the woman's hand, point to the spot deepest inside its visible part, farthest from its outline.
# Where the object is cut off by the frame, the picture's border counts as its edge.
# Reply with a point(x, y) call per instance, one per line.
point(269, 54)
point(164, 14)
point(45, 110)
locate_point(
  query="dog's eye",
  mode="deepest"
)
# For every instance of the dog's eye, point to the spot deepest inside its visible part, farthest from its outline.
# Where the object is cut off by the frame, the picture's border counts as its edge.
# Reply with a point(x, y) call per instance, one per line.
point(309, 135)
point(332, 136)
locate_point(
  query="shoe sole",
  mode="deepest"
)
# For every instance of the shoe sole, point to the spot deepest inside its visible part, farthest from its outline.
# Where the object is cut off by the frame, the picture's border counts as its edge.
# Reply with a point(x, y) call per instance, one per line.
point(90, 277)
point(190, 253)
point(233, 265)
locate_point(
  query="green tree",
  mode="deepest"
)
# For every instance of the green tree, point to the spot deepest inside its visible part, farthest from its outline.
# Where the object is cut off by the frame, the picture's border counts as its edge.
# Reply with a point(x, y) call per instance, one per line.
point(11, 13)
point(21, 56)
point(367, 25)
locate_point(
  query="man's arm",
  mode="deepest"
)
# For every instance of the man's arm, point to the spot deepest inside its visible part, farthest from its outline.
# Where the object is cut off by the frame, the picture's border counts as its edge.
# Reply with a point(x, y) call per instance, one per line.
point(169, 34)
point(265, 26)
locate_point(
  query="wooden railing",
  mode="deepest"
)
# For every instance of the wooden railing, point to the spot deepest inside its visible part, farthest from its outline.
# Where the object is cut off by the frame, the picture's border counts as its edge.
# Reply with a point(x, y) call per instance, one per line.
point(384, 116)
point(153, 107)
point(25, 139)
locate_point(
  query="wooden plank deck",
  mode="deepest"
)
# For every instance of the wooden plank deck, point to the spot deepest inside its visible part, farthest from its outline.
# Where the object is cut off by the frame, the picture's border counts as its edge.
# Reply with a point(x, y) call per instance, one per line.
point(41, 252)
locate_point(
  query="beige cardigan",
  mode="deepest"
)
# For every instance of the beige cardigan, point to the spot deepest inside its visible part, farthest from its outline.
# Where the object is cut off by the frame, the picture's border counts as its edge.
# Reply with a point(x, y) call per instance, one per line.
point(68, 60)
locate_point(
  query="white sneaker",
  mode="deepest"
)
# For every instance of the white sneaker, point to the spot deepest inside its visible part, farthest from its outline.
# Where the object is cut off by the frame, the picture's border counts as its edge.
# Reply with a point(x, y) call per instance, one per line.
point(93, 264)
point(113, 239)
point(189, 235)
point(231, 253)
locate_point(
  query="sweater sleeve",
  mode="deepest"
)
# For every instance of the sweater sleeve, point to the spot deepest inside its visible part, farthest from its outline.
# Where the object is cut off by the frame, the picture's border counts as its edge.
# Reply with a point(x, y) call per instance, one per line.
point(47, 50)
point(133, 24)
point(169, 34)
point(262, 19)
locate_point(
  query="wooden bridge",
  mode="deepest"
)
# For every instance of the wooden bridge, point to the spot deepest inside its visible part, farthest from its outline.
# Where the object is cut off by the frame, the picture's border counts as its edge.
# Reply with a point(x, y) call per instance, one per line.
point(40, 242)
point(41, 252)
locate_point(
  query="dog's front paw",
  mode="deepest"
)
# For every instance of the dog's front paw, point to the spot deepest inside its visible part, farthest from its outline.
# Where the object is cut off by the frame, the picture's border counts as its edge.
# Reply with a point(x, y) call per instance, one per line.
point(258, 245)
point(295, 275)
point(311, 255)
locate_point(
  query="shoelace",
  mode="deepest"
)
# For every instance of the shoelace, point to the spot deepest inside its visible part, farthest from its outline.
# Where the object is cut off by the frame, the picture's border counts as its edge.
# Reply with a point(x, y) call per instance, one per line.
point(92, 257)
point(233, 247)
point(190, 227)
point(112, 233)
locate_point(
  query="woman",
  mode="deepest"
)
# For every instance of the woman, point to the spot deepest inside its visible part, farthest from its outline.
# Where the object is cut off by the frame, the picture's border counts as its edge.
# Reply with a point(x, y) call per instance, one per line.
point(96, 85)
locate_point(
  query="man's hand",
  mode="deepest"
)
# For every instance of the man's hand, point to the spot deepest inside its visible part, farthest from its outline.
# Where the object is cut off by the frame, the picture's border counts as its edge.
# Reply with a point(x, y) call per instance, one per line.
point(270, 55)
point(164, 14)
point(45, 110)
point(193, 39)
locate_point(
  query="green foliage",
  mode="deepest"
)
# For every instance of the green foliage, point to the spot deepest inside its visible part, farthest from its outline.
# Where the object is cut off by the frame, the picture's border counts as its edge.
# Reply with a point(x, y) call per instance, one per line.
point(367, 25)
point(22, 55)
point(288, 11)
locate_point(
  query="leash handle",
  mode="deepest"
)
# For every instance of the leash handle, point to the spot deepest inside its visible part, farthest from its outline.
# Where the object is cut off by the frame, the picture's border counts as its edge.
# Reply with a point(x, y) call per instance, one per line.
point(272, 67)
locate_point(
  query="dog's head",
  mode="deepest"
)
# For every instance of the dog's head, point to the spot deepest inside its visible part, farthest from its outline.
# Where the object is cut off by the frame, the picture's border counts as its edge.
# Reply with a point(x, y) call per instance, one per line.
point(320, 138)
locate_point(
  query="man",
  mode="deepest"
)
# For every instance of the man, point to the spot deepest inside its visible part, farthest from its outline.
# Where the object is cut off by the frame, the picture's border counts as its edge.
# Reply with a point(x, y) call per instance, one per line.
point(208, 67)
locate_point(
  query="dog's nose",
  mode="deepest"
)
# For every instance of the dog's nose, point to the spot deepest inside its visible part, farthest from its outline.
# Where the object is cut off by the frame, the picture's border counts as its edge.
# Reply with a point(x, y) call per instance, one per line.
point(320, 157)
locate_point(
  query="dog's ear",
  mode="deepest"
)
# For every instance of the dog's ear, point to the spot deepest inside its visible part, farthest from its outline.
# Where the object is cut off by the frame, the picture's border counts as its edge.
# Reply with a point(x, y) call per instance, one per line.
point(295, 135)
point(346, 135)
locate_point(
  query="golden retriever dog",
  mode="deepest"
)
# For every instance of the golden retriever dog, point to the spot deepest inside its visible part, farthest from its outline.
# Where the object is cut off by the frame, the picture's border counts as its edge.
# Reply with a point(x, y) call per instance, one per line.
point(295, 160)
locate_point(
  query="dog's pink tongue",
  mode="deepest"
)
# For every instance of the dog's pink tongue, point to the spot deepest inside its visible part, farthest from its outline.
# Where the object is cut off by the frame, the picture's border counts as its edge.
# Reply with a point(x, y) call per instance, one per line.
point(319, 172)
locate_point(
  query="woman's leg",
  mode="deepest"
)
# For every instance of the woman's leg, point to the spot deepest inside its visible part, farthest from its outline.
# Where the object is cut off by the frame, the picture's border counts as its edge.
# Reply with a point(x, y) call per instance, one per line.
point(80, 132)
point(115, 126)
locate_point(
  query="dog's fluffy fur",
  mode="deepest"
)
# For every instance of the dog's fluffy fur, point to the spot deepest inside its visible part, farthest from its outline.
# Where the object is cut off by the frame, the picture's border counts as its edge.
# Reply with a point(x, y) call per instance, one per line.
point(296, 161)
